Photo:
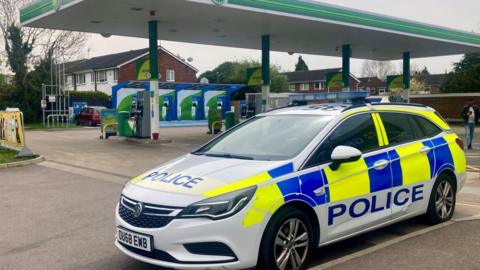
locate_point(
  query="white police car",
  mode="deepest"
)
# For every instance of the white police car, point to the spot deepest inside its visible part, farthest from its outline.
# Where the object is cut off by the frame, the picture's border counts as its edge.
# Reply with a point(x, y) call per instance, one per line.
point(272, 189)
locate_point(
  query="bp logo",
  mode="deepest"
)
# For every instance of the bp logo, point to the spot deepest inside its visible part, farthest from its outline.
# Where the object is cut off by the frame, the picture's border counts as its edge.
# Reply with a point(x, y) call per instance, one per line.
point(219, 2)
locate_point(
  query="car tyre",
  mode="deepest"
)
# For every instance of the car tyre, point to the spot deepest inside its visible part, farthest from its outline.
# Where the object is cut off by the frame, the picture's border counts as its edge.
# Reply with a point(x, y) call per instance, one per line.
point(287, 241)
point(441, 205)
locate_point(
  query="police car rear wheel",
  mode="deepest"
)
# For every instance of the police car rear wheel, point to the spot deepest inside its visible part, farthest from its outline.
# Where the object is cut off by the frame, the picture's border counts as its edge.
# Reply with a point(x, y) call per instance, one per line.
point(287, 242)
point(442, 201)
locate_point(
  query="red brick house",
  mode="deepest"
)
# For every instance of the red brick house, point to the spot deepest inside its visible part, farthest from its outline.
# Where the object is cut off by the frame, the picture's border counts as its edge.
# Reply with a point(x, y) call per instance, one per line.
point(314, 81)
point(103, 72)
point(373, 85)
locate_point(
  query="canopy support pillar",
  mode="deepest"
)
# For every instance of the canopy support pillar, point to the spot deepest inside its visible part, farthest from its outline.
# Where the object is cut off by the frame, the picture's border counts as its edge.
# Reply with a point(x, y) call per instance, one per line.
point(153, 58)
point(406, 76)
point(346, 54)
point(265, 71)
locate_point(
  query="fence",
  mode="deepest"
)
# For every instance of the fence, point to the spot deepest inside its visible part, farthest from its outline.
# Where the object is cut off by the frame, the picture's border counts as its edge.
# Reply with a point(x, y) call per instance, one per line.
point(448, 105)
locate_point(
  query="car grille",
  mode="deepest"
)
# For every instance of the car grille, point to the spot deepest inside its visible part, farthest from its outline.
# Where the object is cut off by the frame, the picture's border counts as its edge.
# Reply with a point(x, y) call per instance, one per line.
point(210, 248)
point(152, 216)
point(166, 257)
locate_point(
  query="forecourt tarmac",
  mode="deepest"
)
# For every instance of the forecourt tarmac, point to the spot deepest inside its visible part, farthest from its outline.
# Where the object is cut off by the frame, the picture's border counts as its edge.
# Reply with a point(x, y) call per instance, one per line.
point(60, 214)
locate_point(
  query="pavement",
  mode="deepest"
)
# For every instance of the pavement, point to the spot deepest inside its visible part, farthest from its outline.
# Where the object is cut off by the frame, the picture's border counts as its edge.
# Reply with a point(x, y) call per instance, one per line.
point(59, 214)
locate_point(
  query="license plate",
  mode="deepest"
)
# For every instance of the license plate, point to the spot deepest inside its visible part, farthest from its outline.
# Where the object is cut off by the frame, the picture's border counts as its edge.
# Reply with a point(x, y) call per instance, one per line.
point(133, 239)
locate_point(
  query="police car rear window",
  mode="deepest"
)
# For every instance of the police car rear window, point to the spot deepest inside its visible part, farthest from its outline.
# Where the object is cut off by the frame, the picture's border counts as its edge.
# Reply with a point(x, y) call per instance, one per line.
point(401, 128)
point(429, 129)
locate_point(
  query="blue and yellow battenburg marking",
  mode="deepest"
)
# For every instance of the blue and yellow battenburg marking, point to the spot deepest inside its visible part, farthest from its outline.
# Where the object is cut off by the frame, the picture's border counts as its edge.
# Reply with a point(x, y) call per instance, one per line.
point(363, 180)
point(268, 198)
point(366, 205)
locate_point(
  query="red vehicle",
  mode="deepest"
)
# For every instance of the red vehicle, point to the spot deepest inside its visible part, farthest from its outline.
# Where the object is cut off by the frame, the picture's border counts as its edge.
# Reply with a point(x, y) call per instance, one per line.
point(89, 116)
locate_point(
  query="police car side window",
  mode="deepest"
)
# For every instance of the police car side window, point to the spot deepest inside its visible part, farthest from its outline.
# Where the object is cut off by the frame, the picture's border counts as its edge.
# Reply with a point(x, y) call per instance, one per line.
point(429, 129)
point(357, 131)
point(400, 128)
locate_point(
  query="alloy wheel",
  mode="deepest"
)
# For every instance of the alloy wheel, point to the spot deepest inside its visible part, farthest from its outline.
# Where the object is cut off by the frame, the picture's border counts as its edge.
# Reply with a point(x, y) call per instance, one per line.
point(291, 245)
point(444, 200)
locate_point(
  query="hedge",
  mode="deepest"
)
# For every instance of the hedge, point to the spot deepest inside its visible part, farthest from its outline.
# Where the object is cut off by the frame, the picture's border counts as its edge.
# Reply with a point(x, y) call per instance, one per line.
point(91, 97)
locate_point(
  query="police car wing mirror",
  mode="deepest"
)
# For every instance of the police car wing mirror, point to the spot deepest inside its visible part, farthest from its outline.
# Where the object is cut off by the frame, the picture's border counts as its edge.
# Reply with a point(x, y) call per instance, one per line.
point(344, 154)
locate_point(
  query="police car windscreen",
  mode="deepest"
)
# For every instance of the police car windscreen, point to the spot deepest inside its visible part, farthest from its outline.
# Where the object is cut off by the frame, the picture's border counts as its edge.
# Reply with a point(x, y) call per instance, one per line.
point(275, 137)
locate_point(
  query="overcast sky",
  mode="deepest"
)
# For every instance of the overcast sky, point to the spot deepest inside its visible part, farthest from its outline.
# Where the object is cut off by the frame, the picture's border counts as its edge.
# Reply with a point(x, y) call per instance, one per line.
point(458, 14)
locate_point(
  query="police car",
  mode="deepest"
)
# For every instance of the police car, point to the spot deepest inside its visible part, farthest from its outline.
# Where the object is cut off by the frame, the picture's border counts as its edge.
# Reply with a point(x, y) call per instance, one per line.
point(272, 189)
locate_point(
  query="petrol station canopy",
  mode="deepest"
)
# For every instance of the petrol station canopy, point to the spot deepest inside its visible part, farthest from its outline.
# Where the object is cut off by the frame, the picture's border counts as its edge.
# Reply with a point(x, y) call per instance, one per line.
point(293, 26)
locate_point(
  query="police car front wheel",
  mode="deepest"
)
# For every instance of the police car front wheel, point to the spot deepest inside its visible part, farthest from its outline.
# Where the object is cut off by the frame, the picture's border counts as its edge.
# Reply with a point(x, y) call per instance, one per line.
point(442, 201)
point(287, 242)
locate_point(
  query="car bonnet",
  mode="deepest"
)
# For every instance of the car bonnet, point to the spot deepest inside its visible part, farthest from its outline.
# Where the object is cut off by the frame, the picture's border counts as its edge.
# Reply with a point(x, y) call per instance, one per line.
point(210, 176)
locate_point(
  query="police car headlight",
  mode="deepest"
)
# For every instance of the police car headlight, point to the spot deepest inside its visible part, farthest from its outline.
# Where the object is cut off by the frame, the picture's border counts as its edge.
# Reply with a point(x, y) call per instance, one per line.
point(220, 207)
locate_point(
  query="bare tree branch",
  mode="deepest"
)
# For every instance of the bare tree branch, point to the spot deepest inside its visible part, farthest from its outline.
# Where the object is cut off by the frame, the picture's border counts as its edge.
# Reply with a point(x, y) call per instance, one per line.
point(67, 45)
point(379, 69)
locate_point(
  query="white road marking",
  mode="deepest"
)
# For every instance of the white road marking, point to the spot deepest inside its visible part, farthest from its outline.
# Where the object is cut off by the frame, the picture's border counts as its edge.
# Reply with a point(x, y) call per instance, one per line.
point(380, 246)
point(466, 204)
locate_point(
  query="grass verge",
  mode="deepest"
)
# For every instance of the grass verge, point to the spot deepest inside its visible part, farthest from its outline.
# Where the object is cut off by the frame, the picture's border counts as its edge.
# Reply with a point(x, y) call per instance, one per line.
point(9, 156)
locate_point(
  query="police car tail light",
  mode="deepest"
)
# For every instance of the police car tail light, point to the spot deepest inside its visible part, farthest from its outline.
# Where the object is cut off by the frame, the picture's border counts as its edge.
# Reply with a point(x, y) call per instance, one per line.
point(220, 207)
point(460, 143)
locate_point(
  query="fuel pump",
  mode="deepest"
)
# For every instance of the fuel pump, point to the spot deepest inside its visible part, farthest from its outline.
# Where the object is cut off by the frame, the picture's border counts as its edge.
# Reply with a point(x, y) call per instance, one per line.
point(166, 105)
point(221, 106)
point(194, 109)
point(142, 115)
point(179, 112)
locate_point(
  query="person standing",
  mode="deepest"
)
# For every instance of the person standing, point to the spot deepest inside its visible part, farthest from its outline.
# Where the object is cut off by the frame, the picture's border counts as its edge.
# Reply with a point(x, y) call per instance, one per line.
point(470, 115)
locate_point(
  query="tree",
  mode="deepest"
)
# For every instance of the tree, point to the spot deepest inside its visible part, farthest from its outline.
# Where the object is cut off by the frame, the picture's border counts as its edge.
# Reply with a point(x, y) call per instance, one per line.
point(18, 49)
point(301, 65)
point(28, 52)
point(236, 73)
point(425, 71)
point(465, 76)
point(65, 43)
point(379, 69)
point(417, 86)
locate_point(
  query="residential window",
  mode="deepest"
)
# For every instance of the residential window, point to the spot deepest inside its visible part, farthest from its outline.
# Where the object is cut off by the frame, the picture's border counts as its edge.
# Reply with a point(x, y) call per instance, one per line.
point(101, 76)
point(69, 80)
point(292, 87)
point(115, 75)
point(170, 75)
point(304, 87)
point(80, 78)
point(318, 86)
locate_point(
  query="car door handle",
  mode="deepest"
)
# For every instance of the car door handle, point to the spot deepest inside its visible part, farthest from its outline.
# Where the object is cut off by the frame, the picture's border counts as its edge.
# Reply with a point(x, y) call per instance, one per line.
point(381, 164)
point(319, 192)
point(425, 150)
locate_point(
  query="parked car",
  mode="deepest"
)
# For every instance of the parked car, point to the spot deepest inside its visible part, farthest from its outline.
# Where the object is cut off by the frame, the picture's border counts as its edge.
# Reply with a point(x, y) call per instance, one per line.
point(270, 190)
point(90, 116)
